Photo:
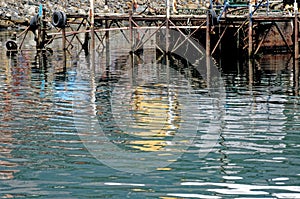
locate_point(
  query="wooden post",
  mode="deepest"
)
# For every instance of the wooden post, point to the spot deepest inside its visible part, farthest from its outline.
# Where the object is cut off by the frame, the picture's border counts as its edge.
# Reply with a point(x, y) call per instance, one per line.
point(107, 44)
point(296, 77)
point(296, 50)
point(208, 71)
point(167, 26)
point(131, 30)
point(43, 28)
point(92, 24)
point(63, 30)
point(250, 69)
point(207, 35)
point(238, 43)
point(296, 31)
point(250, 32)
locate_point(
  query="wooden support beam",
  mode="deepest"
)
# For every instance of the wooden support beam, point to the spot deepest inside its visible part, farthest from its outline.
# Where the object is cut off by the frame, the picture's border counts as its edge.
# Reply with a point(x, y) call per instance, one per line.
point(75, 35)
point(122, 32)
point(188, 36)
point(196, 47)
point(263, 39)
point(161, 25)
point(283, 37)
point(219, 40)
point(25, 32)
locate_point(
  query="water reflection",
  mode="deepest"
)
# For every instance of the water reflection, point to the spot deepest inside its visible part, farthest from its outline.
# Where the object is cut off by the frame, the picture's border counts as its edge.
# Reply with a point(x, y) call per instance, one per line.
point(43, 155)
point(143, 107)
point(159, 109)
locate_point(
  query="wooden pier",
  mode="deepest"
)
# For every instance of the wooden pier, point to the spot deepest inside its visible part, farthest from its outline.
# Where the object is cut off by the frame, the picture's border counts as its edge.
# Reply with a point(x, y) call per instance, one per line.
point(249, 26)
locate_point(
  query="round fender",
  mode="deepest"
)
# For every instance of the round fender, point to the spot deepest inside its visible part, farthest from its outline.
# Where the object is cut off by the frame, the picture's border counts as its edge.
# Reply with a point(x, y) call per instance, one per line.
point(59, 19)
point(11, 45)
point(34, 23)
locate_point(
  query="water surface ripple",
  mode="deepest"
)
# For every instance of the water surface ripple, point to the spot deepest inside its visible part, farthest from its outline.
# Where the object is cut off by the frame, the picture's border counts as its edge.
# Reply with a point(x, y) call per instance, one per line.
point(42, 154)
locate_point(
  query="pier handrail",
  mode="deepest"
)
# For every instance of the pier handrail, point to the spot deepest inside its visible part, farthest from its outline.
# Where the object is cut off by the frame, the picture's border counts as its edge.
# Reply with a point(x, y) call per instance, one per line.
point(223, 9)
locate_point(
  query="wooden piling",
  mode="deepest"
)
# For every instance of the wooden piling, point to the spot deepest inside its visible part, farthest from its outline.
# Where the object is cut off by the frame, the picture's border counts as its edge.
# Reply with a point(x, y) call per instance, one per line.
point(167, 26)
point(296, 77)
point(250, 32)
point(63, 31)
point(107, 45)
point(207, 35)
point(92, 21)
point(296, 31)
point(131, 30)
point(43, 28)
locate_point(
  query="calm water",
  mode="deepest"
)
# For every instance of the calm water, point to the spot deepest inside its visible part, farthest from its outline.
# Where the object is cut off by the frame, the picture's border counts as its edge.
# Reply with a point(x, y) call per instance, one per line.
point(73, 129)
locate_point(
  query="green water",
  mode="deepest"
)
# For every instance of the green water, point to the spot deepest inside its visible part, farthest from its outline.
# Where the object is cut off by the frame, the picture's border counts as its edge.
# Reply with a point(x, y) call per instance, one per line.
point(73, 129)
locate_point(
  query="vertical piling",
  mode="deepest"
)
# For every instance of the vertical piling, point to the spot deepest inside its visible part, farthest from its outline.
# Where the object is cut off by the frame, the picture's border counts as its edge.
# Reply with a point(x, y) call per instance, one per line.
point(296, 50)
point(296, 77)
point(207, 35)
point(167, 26)
point(63, 31)
point(250, 32)
point(131, 30)
point(43, 28)
point(92, 19)
point(250, 71)
point(238, 42)
point(107, 44)
point(296, 31)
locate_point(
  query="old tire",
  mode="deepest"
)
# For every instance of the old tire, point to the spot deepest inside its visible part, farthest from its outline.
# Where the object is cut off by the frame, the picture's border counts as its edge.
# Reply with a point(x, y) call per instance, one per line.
point(59, 19)
point(34, 23)
point(11, 45)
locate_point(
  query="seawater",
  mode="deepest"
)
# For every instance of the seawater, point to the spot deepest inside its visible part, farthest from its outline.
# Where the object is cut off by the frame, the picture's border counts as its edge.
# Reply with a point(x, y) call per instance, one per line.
point(117, 125)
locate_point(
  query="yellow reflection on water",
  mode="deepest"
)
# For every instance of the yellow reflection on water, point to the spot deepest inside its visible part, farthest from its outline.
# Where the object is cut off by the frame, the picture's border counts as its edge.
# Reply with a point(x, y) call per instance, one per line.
point(164, 169)
point(156, 111)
